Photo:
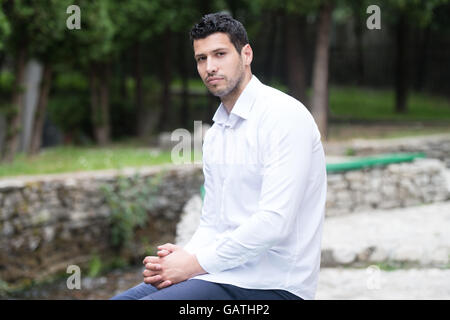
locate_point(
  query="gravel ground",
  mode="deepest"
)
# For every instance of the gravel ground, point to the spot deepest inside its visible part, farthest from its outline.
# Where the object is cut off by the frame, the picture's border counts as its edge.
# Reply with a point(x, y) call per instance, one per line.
point(372, 283)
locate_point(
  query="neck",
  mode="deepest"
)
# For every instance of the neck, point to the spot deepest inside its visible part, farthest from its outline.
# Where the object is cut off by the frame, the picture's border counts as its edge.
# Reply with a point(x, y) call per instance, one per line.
point(230, 99)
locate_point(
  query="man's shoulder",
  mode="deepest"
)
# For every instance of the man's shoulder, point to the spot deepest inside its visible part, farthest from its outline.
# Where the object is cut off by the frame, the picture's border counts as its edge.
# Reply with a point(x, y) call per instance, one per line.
point(275, 105)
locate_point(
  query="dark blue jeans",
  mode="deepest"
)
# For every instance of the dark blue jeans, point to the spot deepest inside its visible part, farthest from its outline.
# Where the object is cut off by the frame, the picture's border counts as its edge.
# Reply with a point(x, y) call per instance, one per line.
point(196, 289)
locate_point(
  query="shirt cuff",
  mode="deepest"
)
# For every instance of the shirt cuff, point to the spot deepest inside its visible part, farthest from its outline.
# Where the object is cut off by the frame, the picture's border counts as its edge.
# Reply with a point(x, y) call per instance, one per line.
point(209, 260)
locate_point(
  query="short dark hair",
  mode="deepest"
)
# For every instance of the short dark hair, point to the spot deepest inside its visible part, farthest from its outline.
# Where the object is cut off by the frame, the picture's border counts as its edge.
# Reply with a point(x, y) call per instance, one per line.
point(221, 22)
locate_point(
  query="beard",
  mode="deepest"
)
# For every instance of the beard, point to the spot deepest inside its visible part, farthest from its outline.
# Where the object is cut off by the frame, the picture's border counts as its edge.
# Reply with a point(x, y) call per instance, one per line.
point(232, 85)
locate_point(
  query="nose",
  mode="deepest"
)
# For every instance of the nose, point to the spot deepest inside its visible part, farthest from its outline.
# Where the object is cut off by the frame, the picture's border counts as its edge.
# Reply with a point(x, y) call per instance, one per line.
point(211, 67)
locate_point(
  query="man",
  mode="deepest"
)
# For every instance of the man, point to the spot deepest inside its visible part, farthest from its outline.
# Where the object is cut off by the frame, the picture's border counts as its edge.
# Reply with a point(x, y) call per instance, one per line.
point(265, 180)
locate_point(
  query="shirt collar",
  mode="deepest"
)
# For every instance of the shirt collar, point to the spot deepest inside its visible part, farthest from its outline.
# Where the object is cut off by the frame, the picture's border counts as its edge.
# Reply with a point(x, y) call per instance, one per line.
point(242, 107)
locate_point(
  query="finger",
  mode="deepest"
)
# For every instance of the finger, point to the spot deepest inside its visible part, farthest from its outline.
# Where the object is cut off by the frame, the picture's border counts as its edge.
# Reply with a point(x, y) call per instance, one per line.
point(153, 267)
point(168, 246)
point(150, 259)
point(156, 284)
point(164, 284)
point(153, 279)
point(163, 253)
point(149, 273)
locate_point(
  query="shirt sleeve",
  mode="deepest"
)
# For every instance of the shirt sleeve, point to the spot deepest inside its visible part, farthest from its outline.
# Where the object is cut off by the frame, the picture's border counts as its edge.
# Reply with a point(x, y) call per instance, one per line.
point(287, 151)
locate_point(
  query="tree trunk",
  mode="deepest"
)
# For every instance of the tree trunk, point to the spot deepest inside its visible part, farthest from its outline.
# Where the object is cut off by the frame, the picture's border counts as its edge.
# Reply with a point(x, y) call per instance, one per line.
point(269, 49)
point(14, 117)
point(138, 93)
point(422, 58)
point(184, 114)
point(295, 40)
point(401, 70)
point(100, 103)
point(104, 130)
point(2, 59)
point(166, 79)
point(320, 70)
point(93, 84)
point(358, 29)
point(39, 118)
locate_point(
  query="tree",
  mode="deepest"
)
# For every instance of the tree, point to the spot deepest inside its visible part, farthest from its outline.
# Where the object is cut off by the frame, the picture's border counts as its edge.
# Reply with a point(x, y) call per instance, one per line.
point(358, 9)
point(94, 49)
point(320, 69)
point(402, 15)
point(49, 47)
point(155, 24)
point(294, 14)
point(136, 23)
point(19, 15)
point(170, 24)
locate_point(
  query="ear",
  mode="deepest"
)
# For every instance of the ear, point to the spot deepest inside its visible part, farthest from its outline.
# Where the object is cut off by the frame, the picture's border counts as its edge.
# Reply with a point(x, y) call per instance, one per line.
point(247, 54)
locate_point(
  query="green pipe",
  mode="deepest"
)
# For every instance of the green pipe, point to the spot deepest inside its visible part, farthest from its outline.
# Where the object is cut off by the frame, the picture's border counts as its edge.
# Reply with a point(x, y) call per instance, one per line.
point(367, 162)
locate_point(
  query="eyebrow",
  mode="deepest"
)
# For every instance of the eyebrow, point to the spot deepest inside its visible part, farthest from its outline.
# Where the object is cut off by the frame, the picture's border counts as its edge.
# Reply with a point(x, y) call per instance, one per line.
point(215, 50)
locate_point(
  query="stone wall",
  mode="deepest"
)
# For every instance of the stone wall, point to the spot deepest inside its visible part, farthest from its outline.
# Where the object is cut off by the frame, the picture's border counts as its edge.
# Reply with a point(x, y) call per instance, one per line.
point(434, 146)
point(393, 186)
point(50, 222)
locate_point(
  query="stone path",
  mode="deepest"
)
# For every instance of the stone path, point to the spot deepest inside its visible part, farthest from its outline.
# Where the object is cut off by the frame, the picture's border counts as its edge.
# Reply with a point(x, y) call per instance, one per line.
point(371, 283)
point(413, 236)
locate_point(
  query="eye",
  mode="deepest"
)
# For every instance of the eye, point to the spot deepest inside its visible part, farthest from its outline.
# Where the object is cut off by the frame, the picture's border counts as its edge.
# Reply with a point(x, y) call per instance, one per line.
point(220, 54)
point(199, 59)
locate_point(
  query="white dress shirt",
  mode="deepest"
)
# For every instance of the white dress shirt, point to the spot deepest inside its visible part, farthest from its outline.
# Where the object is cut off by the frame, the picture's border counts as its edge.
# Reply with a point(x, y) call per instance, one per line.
point(265, 191)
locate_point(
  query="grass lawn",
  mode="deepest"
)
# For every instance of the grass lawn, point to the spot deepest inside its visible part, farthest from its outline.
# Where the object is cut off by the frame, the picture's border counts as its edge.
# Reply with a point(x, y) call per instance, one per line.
point(378, 104)
point(71, 159)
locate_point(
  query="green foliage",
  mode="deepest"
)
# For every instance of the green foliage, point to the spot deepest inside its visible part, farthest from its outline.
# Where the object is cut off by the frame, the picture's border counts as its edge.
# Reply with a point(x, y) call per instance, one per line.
point(70, 81)
point(99, 265)
point(350, 152)
point(6, 82)
point(292, 6)
point(68, 107)
point(117, 263)
point(6, 85)
point(130, 202)
point(419, 12)
point(69, 112)
point(390, 266)
point(95, 266)
point(94, 42)
point(5, 27)
point(48, 29)
point(4, 288)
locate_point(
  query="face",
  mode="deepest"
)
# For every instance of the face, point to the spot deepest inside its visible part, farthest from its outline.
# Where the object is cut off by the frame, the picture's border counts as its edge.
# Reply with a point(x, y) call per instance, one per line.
point(219, 64)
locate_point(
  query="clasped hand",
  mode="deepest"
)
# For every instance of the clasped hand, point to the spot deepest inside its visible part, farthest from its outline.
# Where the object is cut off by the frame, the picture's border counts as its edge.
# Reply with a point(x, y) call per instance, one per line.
point(172, 264)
